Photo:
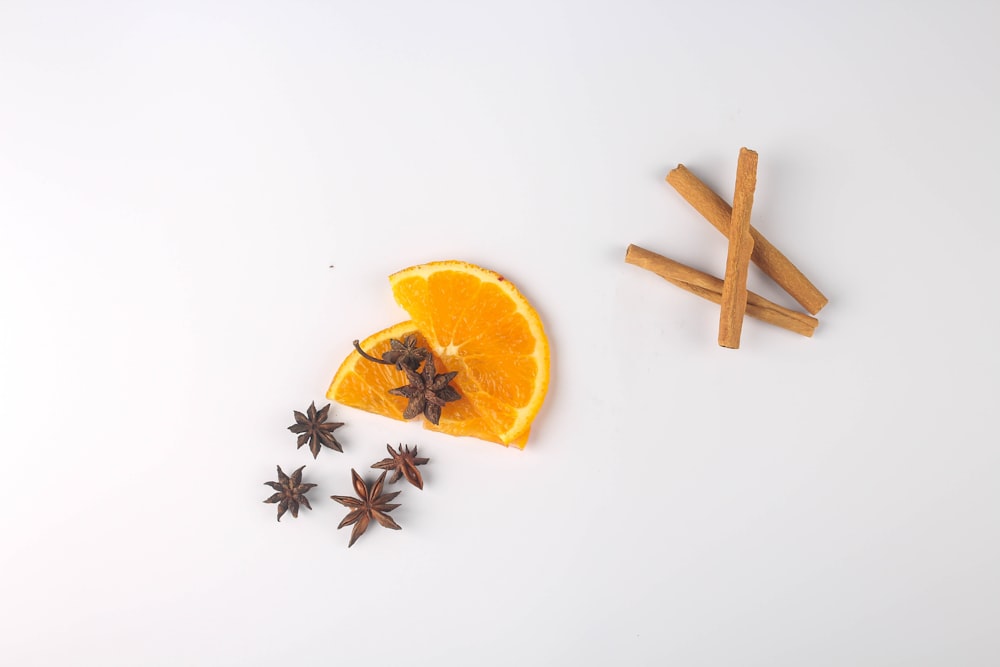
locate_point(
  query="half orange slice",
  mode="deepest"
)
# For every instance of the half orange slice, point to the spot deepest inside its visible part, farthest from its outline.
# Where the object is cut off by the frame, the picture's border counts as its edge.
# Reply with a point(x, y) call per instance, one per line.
point(480, 325)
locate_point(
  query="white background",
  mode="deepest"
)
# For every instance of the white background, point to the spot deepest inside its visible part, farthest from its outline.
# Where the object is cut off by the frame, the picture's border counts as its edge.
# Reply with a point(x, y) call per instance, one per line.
point(176, 180)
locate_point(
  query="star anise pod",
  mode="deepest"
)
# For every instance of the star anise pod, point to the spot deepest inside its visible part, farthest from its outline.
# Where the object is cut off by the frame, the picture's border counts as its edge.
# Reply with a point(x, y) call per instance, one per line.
point(291, 492)
point(427, 392)
point(313, 428)
point(370, 504)
point(404, 463)
point(403, 354)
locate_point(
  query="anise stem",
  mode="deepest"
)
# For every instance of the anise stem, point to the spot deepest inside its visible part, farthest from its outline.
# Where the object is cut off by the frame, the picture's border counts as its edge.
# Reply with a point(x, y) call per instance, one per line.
point(369, 357)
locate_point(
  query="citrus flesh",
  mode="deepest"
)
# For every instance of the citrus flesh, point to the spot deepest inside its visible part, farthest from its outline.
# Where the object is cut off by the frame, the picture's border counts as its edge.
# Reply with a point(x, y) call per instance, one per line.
point(479, 324)
point(362, 384)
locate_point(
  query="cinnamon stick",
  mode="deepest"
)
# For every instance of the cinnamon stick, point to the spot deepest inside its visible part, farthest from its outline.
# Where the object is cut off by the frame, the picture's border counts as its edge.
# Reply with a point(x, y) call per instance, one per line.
point(734, 284)
point(709, 287)
point(770, 260)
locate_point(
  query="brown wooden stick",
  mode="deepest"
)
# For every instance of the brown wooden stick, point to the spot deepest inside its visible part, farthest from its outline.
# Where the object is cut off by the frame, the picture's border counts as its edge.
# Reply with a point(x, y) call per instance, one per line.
point(734, 283)
point(770, 260)
point(709, 287)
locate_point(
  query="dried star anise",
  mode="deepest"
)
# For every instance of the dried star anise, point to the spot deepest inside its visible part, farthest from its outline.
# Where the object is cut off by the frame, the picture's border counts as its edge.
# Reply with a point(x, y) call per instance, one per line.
point(427, 392)
point(403, 354)
point(314, 429)
point(291, 492)
point(404, 463)
point(370, 504)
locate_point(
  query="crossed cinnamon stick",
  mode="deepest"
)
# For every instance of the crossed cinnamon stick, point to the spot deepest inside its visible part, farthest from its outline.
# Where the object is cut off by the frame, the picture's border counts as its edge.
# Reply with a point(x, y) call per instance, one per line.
point(745, 244)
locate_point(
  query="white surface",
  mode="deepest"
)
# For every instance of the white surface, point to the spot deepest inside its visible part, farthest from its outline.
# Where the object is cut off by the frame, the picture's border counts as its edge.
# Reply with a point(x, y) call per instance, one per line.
point(176, 180)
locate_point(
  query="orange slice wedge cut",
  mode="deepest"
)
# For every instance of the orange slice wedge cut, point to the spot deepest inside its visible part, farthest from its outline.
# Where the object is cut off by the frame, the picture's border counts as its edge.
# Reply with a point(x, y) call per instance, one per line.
point(478, 323)
point(364, 385)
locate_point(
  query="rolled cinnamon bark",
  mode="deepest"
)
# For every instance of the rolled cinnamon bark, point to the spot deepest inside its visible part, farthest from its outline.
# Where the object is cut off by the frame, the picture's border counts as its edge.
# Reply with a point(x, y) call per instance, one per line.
point(709, 287)
point(770, 260)
point(734, 284)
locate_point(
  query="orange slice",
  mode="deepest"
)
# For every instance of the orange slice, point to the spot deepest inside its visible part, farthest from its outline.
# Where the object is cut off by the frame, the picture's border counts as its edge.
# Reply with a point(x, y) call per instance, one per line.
point(364, 385)
point(480, 325)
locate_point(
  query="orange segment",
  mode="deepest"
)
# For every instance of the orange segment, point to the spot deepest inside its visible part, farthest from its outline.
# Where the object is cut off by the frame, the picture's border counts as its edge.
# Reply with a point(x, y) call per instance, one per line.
point(364, 385)
point(480, 325)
